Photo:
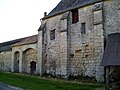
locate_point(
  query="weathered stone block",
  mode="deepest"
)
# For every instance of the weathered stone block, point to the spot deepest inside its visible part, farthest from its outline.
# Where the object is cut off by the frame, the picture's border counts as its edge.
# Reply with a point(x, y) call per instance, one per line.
point(98, 17)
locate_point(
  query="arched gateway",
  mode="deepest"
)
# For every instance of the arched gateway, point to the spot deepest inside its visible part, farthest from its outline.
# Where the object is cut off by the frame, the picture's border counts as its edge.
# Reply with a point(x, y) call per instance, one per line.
point(29, 61)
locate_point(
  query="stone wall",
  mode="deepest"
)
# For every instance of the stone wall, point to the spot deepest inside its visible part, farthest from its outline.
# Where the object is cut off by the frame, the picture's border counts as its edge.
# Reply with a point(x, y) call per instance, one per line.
point(53, 46)
point(82, 45)
point(5, 60)
point(28, 56)
point(27, 53)
point(111, 16)
point(87, 49)
point(75, 53)
point(71, 52)
point(54, 54)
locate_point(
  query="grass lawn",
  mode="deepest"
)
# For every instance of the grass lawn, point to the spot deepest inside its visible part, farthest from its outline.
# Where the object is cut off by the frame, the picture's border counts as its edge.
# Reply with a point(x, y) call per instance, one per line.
point(36, 83)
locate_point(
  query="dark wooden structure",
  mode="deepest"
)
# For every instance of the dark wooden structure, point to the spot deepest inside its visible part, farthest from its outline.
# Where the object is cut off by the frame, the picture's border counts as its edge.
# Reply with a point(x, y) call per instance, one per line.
point(111, 56)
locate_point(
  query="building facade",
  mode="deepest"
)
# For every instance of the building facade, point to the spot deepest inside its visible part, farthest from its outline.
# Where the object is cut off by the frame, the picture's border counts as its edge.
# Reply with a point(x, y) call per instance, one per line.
point(71, 41)
point(19, 55)
point(72, 37)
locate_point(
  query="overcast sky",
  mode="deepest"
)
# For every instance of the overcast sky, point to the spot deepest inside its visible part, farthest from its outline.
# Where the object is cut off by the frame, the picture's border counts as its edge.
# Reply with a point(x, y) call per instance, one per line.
point(21, 18)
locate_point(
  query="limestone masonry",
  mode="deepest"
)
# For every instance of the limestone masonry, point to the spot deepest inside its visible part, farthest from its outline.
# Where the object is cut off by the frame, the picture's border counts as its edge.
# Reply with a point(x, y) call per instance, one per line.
point(70, 41)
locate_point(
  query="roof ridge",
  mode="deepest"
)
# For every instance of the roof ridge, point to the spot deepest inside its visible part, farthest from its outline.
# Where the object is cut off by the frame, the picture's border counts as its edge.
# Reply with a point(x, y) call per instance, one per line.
point(66, 5)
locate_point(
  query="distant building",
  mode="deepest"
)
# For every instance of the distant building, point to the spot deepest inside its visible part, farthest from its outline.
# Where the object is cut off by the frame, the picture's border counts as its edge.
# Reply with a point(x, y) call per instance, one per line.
point(19, 55)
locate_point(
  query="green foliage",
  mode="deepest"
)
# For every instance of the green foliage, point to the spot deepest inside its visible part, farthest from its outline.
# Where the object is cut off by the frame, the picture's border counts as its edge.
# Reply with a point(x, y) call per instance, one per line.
point(36, 83)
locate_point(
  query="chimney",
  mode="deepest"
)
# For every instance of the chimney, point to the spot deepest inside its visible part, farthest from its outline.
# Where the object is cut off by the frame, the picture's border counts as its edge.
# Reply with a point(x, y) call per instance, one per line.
point(45, 14)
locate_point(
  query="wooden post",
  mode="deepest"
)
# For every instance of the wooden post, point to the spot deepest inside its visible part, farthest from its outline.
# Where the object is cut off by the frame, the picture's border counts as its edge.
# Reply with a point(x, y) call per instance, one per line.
point(107, 77)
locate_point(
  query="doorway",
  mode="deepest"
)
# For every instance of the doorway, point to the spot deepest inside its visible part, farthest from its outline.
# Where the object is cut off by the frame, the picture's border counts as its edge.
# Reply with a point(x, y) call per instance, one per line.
point(32, 67)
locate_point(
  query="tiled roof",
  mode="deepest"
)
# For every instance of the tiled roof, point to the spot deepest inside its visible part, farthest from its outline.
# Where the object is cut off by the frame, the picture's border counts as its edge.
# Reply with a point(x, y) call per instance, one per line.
point(28, 40)
point(66, 5)
point(7, 46)
point(111, 55)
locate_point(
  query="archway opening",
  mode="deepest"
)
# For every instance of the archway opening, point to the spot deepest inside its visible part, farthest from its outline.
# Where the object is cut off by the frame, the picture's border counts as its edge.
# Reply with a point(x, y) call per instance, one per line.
point(16, 61)
point(29, 60)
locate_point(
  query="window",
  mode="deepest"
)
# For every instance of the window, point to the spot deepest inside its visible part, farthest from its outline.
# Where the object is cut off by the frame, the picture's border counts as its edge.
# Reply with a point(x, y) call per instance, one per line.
point(83, 28)
point(52, 34)
point(75, 16)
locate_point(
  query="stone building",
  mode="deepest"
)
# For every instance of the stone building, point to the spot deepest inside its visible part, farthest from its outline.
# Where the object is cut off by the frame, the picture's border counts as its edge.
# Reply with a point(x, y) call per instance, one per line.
point(19, 55)
point(71, 41)
point(6, 54)
point(72, 37)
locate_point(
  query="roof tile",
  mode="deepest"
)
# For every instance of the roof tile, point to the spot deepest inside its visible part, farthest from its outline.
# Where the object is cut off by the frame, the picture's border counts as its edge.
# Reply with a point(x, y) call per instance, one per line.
point(66, 5)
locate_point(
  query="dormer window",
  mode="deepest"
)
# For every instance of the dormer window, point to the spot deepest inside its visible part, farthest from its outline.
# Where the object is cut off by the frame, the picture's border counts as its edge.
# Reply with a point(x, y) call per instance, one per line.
point(75, 16)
